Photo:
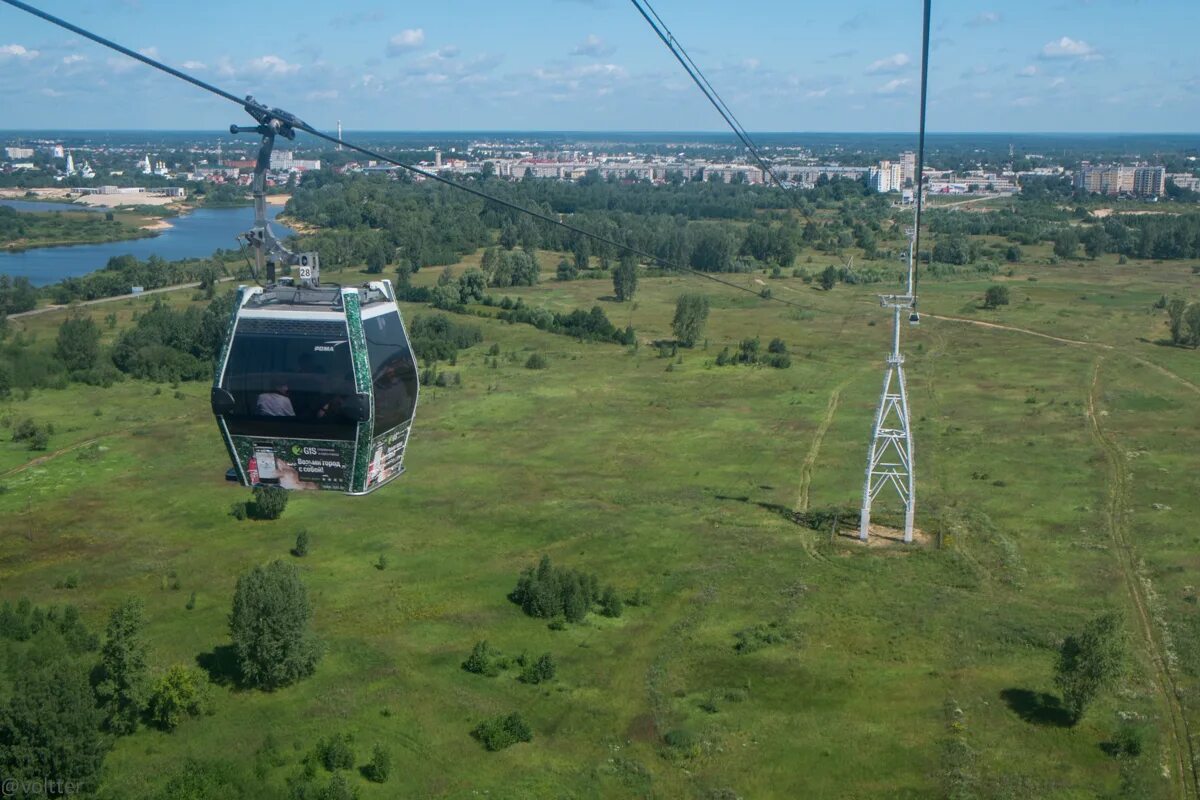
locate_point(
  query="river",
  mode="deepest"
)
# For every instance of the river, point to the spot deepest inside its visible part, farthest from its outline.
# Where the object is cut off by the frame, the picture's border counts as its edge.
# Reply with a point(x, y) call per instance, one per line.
point(193, 235)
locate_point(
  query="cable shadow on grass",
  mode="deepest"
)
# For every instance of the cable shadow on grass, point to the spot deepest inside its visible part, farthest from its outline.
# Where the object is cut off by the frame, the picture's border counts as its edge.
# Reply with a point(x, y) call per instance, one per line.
point(1037, 708)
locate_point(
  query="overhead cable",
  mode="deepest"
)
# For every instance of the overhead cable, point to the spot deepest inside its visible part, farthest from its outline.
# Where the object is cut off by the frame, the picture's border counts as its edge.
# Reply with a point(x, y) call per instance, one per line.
point(257, 110)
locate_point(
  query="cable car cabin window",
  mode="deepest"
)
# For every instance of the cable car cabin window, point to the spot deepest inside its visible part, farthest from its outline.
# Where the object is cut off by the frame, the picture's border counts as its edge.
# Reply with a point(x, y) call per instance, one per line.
point(393, 371)
point(290, 379)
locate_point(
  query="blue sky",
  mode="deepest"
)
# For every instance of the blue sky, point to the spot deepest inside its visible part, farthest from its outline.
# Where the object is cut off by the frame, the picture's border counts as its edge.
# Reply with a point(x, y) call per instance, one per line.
point(1001, 65)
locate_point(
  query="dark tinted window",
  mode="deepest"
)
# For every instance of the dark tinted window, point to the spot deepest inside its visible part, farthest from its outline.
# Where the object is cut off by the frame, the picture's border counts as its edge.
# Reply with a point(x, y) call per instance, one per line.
point(393, 371)
point(290, 378)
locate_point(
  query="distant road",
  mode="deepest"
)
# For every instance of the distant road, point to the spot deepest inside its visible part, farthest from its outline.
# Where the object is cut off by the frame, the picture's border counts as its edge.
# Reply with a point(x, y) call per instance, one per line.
point(130, 296)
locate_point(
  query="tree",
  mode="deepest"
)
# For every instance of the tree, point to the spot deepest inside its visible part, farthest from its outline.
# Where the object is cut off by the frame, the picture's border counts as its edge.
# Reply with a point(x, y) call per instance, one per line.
point(952, 250)
point(51, 724)
point(379, 768)
point(270, 627)
point(1095, 241)
point(181, 692)
point(610, 603)
point(78, 343)
point(122, 673)
point(1012, 254)
point(1192, 320)
point(566, 270)
point(1066, 243)
point(1175, 310)
point(691, 312)
point(539, 671)
point(995, 296)
point(482, 660)
point(625, 278)
point(582, 254)
point(1090, 662)
point(829, 277)
point(301, 548)
point(269, 502)
point(498, 733)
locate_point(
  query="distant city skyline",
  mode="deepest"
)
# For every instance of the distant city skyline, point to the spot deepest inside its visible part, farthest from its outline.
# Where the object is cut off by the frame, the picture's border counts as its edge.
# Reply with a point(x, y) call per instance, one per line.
point(1066, 66)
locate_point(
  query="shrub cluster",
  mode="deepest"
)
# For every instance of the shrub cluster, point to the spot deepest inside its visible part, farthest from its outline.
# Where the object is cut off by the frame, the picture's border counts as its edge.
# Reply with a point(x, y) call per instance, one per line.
point(36, 437)
point(586, 326)
point(547, 591)
point(750, 352)
point(438, 338)
point(500, 732)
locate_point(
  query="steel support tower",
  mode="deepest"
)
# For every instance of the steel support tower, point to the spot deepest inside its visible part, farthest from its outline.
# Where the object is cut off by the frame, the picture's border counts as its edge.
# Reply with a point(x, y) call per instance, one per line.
point(890, 459)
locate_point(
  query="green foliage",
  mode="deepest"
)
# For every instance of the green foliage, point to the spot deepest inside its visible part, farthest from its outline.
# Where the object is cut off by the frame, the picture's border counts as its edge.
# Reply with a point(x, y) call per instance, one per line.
point(1090, 662)
point(483, 660)
point(536, 361)
point(437, 337)
point(50, 724)
point(17, 295)
point(23, 621)
point(547, 591)
point(269, 502)
point(995, 296)
point(828, 277)
point(1066, 243)
point(301, 548)
point(1175, 311)
point(750, 353)
point(952, 250)
point(205, 780)
point(35, 436)
point(748, 640)
point(691, 313)
point(625, 278)
point(122, 676)
point(170, 345)
point(611, 604)
point(78, 343)
point(540, 671)
point(379, 768)
point(500, 732)
point(566, 270)
point(270, 627)
point(592, 326)
point(180, 693)
point(336, 752)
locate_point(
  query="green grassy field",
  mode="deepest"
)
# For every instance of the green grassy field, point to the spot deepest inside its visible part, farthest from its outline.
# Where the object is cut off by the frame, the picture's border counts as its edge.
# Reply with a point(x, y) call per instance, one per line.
point(1059, 477)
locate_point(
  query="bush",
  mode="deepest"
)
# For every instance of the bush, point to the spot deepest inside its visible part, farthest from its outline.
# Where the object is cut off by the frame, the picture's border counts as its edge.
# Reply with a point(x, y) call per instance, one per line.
point(536, 361)
point(500, 732)
point(301, 548)
point(270, 627)
point(335, 752)
point(269, 502)
point(539, 671)
point(610, 603)
point(180, 693)
point(482, 660)
point(379, 768)
point(761, 635)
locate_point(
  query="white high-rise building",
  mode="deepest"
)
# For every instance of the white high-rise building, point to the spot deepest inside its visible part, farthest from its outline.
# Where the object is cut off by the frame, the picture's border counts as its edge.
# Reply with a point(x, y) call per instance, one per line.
point(908, 168)
point(70, 163)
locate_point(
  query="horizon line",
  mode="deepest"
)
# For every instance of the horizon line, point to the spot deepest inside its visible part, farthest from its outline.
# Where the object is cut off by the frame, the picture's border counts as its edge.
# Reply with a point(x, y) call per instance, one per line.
point(224, 131)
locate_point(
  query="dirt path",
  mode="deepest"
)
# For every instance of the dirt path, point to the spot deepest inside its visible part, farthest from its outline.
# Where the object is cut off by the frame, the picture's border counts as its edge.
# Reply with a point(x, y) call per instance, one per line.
point(1182, 755)
point(1146, 362)
point(175, 288)
point(806, 469)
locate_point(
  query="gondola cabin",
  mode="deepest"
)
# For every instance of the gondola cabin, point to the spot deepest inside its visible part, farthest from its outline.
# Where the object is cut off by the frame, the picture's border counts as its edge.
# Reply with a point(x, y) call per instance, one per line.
point(316, 387)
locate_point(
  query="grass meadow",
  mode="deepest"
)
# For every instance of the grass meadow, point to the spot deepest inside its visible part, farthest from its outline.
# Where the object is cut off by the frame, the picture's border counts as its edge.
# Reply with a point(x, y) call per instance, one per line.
point(1056, 479)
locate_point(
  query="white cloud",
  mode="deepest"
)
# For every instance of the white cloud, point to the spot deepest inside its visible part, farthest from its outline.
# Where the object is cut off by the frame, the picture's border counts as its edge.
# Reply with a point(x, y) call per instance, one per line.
point(893, 63)
point(327, 94)
point(817, 93)
point(194, 65)
point(271, 65)
point(405, 40)
point(151, 52)
point(8, 51)
point(893, 86)
point(984, 18)
point(48, 92)
point(1066, 47)
point(74, 58)
point(1054, 84)
point(1027, 72)
point(593, 47)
